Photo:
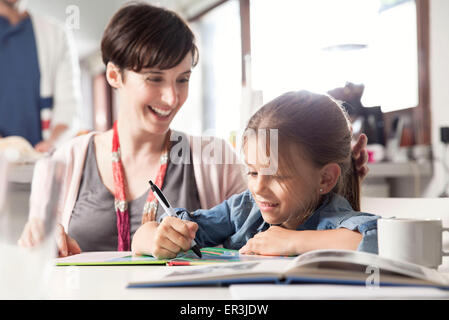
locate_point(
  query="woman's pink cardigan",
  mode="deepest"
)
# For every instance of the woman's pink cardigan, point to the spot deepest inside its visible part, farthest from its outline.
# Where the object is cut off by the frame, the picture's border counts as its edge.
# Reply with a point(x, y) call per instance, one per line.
point(215, 182)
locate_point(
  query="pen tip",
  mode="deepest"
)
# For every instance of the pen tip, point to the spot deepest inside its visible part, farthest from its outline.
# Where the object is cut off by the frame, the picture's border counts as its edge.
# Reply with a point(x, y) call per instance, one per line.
point(197, 251)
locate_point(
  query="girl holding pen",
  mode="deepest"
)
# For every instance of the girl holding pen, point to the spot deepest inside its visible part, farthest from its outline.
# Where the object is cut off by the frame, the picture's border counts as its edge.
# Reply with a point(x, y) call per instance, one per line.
point(309, 199)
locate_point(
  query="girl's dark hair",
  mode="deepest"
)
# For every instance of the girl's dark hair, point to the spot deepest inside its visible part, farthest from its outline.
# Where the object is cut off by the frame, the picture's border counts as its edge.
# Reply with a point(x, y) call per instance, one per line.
point(319, 126)
point(143, 36)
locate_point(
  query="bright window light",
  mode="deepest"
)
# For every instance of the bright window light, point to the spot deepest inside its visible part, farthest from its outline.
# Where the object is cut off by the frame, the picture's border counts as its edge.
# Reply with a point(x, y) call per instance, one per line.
point(319, 45)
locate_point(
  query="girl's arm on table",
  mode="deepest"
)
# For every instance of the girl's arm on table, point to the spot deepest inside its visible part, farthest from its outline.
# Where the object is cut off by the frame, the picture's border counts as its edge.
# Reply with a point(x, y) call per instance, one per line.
point(280, 241)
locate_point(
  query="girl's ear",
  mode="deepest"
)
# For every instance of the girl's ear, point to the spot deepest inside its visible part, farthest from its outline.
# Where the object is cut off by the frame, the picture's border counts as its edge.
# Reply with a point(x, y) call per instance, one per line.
point(114, 75)
point(329, 175)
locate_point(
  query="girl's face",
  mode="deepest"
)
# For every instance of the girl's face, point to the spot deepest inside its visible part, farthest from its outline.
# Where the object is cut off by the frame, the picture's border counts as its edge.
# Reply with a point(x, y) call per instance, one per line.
point(152, 97)
point(283, 199)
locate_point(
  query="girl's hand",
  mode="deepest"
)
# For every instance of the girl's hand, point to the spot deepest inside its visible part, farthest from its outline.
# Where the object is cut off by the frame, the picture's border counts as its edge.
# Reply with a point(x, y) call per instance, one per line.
point(172, 236)
point(276, 241)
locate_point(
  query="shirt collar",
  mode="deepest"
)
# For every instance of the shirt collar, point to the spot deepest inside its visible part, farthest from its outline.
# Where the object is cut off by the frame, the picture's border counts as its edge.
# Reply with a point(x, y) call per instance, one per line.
point(5, 24)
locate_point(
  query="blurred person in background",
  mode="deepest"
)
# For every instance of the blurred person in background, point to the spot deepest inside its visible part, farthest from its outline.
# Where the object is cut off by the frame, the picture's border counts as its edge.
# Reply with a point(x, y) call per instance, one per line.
point(39, 79)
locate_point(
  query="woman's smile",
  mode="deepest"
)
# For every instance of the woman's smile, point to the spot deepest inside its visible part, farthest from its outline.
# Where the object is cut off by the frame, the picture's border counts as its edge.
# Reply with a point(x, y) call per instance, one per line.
point(160, 113)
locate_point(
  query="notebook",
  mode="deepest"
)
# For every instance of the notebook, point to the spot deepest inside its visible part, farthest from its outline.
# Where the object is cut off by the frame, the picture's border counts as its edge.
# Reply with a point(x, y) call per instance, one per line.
point(210, 255)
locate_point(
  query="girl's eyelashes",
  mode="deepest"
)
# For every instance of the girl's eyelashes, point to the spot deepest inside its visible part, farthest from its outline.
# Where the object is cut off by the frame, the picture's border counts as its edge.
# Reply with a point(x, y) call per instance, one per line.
point(252, 173)
point(185, 80)
point(154, 79)
point(275, 176)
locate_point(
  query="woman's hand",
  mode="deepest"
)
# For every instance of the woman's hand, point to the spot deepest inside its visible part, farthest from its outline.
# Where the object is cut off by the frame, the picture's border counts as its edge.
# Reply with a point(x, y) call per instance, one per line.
point(276, 241)
point(67, 246)
point(361, 156)
point(34, 233)
point(165, 240)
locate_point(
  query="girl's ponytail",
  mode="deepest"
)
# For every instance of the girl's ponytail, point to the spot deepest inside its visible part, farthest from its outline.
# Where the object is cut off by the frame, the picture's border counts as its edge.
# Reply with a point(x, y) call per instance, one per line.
point(351, 186)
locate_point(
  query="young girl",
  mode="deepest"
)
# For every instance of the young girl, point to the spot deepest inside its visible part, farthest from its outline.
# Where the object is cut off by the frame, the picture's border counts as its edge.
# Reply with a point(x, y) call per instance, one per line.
point(311, 201)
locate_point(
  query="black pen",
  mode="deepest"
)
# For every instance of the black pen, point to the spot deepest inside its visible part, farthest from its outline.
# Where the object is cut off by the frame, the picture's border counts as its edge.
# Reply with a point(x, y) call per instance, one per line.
point(169, 210)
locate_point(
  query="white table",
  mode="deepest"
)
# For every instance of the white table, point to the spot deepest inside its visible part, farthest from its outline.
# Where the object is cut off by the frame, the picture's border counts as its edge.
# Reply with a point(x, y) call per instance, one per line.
point(110, 282)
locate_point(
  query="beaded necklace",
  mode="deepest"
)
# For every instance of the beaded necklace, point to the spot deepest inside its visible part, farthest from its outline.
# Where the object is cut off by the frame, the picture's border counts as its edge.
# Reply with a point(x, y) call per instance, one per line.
point(120, 203)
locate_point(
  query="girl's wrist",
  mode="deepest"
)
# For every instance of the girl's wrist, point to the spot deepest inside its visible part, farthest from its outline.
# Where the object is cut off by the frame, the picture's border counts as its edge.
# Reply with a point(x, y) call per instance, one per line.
point(296, 244)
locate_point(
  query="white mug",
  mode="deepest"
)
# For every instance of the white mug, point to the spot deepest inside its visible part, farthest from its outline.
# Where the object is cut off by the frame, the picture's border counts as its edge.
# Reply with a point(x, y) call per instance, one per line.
point(412, 240)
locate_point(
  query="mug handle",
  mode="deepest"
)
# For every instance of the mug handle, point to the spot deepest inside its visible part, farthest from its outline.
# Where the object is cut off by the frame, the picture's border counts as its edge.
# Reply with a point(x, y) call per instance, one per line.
point(445, 253)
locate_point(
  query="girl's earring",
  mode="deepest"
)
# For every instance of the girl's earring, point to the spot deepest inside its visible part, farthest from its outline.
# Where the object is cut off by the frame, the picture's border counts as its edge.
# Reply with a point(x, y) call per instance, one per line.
point(321, 190)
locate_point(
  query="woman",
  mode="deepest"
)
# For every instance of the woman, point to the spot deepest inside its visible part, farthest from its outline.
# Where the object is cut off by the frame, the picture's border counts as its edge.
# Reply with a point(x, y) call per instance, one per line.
point(149, 53)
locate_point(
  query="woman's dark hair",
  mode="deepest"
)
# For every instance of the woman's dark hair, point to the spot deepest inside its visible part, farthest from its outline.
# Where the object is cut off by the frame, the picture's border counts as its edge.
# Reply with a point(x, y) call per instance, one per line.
point(320, 127)
point(143, 36)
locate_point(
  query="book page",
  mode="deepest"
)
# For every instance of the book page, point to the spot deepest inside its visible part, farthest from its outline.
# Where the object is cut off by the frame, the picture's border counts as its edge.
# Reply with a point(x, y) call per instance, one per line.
point(209, 256)
point(318, 257)
point(107, 258)
point(93, 256)
point(235, 270)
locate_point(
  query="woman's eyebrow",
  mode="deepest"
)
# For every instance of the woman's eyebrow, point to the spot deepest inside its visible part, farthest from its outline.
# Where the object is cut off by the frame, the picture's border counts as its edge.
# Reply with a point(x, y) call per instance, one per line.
point(161, 72)
point(250, 166)
point(153, 72)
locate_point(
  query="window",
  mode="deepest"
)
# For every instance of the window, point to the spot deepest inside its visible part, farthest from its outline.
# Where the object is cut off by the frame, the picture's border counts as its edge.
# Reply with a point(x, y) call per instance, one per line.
point(219, 67)
point(320, 45)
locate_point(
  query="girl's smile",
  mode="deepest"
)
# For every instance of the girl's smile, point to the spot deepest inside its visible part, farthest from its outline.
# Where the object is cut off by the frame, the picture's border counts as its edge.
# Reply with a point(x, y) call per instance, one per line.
point(266, 206)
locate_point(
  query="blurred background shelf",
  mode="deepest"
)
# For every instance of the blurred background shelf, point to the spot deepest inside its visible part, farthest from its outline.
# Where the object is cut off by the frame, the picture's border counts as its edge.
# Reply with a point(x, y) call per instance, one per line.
point(397, 179)
point(399, 169)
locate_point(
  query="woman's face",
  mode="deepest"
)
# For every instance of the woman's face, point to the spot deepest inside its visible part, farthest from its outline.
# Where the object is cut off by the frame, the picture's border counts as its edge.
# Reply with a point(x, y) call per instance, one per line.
point(283, 199)
point(152, 97)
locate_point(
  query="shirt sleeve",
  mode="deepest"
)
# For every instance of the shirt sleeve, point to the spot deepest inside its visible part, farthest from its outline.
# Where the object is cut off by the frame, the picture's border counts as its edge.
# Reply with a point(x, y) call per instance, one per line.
point(214, 225)
point(222, 222)
point(366, 224)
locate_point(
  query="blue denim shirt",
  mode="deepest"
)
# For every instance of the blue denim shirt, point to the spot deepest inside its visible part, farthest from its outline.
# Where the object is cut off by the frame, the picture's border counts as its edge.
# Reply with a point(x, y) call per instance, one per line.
point(20, 79)
point(236, 220)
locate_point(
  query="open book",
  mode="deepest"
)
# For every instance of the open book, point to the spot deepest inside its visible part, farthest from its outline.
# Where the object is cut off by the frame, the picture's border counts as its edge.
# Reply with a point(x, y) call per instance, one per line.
point(318, 266)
